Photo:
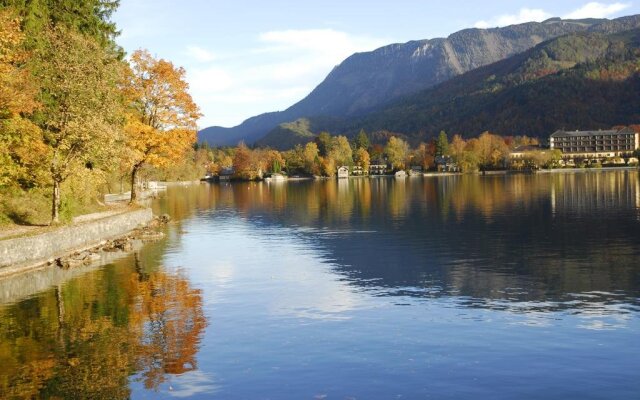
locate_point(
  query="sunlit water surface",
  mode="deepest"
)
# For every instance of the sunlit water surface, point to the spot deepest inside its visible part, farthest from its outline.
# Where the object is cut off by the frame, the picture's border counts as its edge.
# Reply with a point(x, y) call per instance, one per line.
point(504, 287)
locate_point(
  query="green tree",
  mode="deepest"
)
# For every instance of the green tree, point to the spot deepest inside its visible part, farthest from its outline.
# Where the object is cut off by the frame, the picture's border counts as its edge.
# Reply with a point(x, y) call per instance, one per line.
point(324, 143)
point(92, 18)
point(361, 141)
point(442, 144)
point(81, 113)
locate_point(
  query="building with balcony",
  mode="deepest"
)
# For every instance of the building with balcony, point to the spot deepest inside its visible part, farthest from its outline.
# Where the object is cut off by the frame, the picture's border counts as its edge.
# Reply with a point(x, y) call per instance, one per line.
point(595, 144)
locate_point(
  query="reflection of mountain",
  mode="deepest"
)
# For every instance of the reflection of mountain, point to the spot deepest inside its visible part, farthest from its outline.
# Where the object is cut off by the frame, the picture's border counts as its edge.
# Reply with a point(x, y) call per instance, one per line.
point(541, 238)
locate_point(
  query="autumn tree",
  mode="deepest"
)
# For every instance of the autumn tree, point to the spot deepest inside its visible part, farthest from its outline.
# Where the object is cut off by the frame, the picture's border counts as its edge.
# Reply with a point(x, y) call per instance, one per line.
point(328, 166)
point(161, 124)
point(340, 150)
point(311, 158)
point(456, 149)
point(492, 150)
point(397, 151)
point(21, 146)
point(294, 159)
point(274, 161)
point(424, 156)
point(362, 159)
point(80, 117)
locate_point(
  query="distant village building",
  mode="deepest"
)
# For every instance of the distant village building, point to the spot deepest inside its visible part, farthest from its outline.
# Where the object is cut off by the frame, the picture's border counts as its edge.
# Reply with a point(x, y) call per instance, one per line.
point(595, 144)
point(377, 169)
point(446, 164)
point(522, 152)
point(357, 171)
point(226, 174)
point(343, 172)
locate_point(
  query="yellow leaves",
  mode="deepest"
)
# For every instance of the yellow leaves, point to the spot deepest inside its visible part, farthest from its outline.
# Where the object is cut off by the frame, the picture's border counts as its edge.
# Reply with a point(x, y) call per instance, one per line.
point(362, 158)
point(21, 152)
point(156, 147)
point(397, 151)
point(17, 92)
point(161, 125)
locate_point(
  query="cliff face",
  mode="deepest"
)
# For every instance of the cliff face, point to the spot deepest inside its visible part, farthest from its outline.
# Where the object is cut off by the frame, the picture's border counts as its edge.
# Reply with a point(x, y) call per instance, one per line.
point(367, 81)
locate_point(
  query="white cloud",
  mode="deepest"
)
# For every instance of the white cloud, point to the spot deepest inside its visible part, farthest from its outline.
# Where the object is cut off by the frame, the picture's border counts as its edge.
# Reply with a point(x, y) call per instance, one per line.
point(200, 54)
point(597, 10)
point(280, 70)
point(525, 15)
point(593, 9)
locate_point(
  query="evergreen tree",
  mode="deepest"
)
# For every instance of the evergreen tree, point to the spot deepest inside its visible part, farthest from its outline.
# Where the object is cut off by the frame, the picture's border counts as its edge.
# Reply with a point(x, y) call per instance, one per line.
point(442, 144)
point(361, 141)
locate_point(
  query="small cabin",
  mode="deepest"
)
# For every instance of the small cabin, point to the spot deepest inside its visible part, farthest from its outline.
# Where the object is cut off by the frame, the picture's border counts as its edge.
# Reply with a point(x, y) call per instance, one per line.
point(343, 172)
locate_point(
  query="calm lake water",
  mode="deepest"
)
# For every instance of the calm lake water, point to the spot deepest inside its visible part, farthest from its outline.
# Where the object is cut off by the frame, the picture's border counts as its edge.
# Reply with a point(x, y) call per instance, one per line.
point(508, 287)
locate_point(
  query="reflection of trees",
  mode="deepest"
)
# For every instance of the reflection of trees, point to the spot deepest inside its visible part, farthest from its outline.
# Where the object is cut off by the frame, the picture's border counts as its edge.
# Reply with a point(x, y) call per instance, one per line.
point(553, 234)
point(168, 314)
point(333, 202)
point(86, 338)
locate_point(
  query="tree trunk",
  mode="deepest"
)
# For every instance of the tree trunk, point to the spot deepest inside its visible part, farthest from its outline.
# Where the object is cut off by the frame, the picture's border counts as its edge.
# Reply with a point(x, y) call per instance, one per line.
point(55, 203)
point(134, 195)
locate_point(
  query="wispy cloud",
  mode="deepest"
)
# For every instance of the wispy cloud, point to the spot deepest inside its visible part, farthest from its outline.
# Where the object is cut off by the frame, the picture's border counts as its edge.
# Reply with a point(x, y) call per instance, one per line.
point(589, 10)
point(597, 10)
point(200, 54)
point(525, 15)
point(284, 66)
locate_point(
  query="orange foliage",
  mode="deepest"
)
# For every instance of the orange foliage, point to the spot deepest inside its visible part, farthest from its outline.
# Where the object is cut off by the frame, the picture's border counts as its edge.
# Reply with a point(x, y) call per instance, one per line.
point(161, 126)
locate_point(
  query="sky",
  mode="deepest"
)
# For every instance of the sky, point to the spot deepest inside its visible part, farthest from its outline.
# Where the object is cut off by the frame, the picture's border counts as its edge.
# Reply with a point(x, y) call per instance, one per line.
point(244, 58)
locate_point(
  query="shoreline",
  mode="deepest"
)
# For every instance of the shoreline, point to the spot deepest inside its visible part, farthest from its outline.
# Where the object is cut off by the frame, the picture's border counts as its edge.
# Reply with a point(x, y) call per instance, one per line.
point(72, 245)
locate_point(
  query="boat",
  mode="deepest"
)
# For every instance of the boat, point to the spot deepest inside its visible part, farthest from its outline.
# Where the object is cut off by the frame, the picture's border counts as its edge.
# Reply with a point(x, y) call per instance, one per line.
point(401, 174)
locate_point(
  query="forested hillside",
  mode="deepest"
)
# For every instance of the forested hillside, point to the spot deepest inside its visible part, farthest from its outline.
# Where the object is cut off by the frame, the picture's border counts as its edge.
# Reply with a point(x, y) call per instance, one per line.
point(583, 80)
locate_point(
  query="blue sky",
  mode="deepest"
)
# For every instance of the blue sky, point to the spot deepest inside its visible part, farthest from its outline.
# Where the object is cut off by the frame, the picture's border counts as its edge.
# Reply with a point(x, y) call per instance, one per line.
point(244, 58)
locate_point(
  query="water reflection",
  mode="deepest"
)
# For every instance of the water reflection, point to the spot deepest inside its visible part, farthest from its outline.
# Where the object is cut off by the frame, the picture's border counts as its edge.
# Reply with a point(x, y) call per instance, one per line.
point(533, 239)
point(88, 337)
point(320, 288)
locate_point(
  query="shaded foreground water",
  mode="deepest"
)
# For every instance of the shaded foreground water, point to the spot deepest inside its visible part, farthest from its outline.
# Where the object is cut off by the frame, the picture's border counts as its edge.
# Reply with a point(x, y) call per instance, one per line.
point(458, 287)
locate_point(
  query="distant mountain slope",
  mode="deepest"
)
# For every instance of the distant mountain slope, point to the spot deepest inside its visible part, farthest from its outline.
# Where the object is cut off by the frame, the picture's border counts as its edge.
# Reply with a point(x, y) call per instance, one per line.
point(367, 81)
point(578, 81)
point(585, 80)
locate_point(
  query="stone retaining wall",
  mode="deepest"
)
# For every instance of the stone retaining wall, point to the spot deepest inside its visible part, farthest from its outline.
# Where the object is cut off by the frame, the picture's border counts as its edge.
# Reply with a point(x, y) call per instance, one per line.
point(24, 253)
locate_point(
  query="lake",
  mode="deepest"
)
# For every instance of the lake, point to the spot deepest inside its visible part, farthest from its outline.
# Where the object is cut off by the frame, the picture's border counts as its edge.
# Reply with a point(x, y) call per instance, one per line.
point(462, 287)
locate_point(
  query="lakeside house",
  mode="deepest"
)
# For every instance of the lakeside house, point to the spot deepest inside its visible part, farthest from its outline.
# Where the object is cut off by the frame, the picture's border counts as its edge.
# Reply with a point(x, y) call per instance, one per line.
point(595, 144)
point(343, 172)
point(377, 169)
point(524, 152)
point(446, 164)
point(226, 174)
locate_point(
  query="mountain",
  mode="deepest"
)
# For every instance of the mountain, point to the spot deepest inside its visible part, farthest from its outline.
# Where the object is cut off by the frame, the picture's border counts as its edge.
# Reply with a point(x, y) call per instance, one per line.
point(366, 81)
point(582, 80)
point(579, 81)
